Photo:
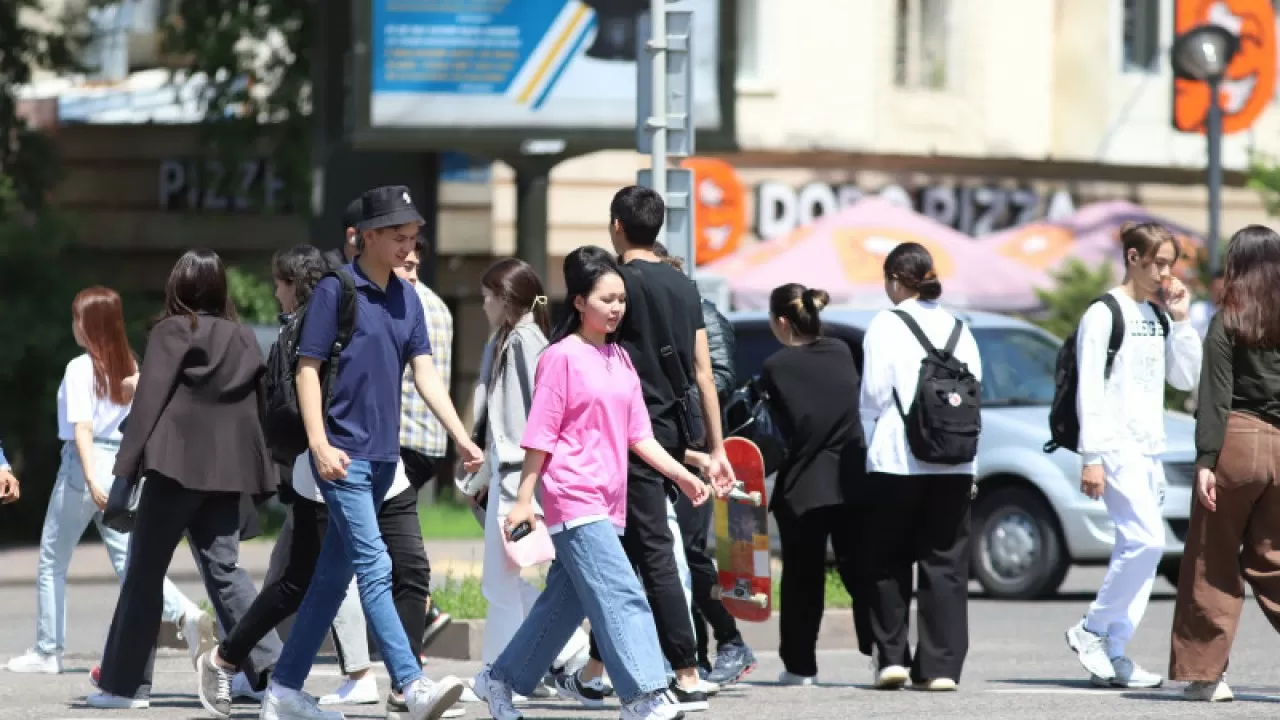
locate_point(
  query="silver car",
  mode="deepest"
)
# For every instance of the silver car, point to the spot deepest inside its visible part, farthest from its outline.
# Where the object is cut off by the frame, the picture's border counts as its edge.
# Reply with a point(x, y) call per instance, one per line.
point(1031, 523)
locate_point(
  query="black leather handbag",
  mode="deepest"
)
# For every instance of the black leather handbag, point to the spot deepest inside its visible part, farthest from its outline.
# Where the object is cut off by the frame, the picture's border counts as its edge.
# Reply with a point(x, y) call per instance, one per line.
point(750, 414)
point(122, 504)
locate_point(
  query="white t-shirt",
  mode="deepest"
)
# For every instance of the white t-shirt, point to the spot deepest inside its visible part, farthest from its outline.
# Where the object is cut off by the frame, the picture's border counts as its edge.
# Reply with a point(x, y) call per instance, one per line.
point(77, 403)
point(891, 361)
point(304, 482)
point(1126, 411)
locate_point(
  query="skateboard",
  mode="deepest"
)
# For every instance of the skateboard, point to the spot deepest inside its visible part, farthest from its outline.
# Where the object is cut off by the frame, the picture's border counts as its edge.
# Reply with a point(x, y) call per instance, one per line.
point(742, 537)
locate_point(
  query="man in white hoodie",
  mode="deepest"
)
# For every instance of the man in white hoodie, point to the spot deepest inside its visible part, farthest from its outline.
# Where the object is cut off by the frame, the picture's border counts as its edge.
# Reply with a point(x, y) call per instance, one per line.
point(1122, 436)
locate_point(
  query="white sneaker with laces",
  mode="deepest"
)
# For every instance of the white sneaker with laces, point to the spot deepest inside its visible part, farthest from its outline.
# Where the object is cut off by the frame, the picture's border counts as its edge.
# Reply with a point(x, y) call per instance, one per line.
point(197, 632)
point(107, 701)
point(1128, 675)
point(294, 705)
point(1091, 649)
point(498, 695)
point(429, 700)
point(654, 706)
point(793, 680)
point(33, 661)
point(1208, 691)
point(354, 692)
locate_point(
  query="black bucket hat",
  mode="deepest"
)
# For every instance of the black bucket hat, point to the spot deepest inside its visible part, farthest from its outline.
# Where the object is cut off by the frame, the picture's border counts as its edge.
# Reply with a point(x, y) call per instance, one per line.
point(387, 206)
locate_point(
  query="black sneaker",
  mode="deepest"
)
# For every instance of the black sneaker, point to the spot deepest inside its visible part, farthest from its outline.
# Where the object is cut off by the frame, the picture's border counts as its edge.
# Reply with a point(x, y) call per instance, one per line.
point(437, 621)
point(687, 700)
point(570, 685)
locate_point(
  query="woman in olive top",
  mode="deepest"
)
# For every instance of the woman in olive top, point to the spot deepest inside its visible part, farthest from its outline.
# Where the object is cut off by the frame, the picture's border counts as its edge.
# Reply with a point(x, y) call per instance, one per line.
point(813, 385)
point(1237, 470)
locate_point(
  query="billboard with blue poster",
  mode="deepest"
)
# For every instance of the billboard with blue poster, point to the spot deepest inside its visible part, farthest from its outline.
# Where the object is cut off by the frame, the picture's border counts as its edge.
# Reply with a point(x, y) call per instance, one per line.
point(522, 64)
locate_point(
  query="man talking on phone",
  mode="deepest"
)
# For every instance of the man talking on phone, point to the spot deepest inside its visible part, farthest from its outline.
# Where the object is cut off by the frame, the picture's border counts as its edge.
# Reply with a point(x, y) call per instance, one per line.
point(1122, 436)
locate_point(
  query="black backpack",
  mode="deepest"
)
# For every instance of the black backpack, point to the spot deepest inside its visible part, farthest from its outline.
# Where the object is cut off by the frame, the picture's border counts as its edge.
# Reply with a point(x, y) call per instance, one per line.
point(946, 418)
point(1064, 420)
point(282, 418)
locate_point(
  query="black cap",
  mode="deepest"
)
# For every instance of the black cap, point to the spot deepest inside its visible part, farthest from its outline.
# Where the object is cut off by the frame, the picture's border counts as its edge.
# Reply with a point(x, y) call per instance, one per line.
point(387, 206)
point(351, 216)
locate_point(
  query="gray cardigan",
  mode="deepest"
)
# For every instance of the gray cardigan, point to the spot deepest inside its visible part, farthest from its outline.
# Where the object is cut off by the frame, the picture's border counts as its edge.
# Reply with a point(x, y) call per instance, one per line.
point(506, 406)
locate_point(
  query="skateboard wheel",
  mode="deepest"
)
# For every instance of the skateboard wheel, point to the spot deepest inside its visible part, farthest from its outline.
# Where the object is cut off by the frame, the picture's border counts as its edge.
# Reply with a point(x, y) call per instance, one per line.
point(760, 600)
point(717, 592)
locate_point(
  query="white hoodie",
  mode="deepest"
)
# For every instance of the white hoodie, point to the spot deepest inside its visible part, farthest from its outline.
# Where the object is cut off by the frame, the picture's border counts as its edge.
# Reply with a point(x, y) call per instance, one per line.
point(1126, 412)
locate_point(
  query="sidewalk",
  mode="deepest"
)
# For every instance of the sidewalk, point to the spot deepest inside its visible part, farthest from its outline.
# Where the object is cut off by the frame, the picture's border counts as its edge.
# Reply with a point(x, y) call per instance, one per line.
point(89, 565)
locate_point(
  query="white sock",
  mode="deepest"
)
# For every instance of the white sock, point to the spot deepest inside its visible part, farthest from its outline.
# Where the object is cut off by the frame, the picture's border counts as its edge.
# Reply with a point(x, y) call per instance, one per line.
point(280, 692)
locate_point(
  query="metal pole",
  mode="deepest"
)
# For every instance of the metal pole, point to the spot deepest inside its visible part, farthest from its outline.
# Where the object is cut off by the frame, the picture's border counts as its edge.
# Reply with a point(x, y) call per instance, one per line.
point(658, 61)
point(1213, 135)
point(533, 179)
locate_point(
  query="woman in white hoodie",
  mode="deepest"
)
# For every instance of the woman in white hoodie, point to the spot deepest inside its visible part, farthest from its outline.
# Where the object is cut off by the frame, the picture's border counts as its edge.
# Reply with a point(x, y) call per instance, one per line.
point(516, 306)
point(918, 511)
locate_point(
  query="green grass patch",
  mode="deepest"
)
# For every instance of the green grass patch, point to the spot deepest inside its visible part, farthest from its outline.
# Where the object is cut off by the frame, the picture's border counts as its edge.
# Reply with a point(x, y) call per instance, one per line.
point(836, 597)
point(461, 598)
point(448, 521)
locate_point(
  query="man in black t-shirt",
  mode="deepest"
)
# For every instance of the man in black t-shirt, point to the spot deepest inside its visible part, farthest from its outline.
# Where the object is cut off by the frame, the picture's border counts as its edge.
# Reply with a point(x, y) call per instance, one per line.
point(664, 315)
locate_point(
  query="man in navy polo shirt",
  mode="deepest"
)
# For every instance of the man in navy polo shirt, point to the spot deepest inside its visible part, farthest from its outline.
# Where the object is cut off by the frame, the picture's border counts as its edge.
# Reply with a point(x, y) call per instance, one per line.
point(354, 451)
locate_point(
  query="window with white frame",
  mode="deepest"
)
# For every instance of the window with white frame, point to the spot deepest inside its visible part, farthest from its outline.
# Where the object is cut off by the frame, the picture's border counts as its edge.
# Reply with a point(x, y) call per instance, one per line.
point(1140, 35)
point(749, 41)
point(922, 44)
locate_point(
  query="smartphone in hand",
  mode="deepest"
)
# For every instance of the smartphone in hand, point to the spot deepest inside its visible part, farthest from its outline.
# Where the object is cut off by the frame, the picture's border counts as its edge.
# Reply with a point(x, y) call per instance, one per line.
point(520, 531)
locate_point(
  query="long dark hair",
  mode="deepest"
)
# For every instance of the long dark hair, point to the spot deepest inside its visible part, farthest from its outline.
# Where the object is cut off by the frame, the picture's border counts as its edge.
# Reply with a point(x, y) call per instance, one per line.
point(517, 286)
point(301, 266)
point(582, 269)
point(198, 285)
point(800, 306)
point(1251, 288)
point(912, 266)
point(99, 313)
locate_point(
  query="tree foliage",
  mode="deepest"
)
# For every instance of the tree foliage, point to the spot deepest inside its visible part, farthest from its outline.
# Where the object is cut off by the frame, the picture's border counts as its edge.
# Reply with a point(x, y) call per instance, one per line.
point(1264, 177)
point(253, 297)
point(256, 56)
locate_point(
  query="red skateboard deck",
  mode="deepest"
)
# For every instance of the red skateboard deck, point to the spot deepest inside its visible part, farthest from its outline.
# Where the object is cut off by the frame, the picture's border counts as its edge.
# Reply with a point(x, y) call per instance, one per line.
point(742, 537)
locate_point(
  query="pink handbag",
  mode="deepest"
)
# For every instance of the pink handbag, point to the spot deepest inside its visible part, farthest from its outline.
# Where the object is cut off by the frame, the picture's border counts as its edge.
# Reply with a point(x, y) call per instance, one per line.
point(532, 549)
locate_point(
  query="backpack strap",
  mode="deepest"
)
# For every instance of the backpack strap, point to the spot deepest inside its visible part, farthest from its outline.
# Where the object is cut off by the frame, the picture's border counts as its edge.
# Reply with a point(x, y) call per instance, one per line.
point(1161, 316)
point(923, 339)
point(346, 309)
point(1117, 331)
point(954, 340)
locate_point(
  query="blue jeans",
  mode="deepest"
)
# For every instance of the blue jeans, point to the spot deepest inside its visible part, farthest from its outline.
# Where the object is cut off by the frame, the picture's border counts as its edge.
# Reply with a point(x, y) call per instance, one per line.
point(71, 509)
point(352, 542)
point(591, 577)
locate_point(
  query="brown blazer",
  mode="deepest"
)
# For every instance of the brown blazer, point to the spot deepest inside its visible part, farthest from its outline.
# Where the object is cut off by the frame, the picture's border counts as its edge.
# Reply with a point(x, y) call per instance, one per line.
point(195, 414)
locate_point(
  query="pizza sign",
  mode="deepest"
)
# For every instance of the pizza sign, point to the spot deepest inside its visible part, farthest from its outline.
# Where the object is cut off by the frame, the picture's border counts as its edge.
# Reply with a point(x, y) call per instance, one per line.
point(1249, 84)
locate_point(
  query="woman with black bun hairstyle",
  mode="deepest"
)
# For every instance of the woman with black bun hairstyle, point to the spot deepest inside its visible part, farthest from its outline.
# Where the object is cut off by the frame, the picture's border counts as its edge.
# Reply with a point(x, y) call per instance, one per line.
point(920, 515)
point(812, 383)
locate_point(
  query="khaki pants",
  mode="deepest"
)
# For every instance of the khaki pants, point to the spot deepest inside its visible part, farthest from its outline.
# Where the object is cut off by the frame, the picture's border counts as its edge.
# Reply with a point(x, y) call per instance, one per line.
point(1211, 587)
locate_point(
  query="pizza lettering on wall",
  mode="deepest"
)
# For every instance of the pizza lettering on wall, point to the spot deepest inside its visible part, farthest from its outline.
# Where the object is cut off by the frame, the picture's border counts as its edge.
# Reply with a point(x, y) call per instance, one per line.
point(1250, 80)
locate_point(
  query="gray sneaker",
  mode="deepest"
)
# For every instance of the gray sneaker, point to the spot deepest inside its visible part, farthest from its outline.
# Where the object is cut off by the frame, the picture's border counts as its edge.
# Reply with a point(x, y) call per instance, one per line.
point(1091, 649)
point(214, 685)
point(733, 662)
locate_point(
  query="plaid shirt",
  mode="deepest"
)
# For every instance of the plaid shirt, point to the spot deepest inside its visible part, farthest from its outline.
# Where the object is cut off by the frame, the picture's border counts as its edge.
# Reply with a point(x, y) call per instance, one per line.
point(419, 429)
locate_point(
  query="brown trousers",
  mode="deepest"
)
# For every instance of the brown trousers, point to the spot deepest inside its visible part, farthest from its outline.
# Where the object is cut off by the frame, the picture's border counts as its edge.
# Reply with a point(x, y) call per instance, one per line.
point(1214, 567)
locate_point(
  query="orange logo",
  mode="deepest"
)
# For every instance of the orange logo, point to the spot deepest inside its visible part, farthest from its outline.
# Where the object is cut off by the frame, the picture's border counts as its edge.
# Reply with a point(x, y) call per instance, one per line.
point(862, 252)
point(720, 208)
point(1039, 246)
point(1251, 77)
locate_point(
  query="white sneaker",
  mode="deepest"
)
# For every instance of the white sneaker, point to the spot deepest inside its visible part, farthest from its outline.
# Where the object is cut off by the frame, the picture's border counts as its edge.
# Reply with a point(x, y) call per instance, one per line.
point(1129, 675)
point(892, 677)
point(1091, 649)
point(793, 680)
point(498, 695)
point(294, 706)
point(107, 701)
point(354, 692)
point(33, 661)
point(197, 631)
point(429, 700)
point(935, 685)
point(654, 706)
point(1208, 691)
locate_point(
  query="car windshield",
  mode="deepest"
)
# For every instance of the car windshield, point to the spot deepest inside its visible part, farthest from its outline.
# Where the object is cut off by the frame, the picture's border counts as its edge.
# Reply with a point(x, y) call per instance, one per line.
point(1017, 366)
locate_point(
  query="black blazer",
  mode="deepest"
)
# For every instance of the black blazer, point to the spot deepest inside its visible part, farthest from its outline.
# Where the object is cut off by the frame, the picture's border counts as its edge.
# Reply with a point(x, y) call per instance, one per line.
point(195, 415)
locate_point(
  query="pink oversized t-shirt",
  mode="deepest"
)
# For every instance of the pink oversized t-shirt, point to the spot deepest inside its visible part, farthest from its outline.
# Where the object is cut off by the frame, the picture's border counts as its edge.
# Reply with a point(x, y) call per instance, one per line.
point(587, 411)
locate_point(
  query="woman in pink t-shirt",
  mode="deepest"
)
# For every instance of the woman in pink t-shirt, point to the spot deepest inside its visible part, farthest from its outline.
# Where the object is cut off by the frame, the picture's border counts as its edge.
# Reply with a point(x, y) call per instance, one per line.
point(587, 413)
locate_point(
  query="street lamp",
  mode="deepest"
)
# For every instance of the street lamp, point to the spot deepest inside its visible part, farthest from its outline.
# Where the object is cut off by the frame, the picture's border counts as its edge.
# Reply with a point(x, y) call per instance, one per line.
point(1202, 54)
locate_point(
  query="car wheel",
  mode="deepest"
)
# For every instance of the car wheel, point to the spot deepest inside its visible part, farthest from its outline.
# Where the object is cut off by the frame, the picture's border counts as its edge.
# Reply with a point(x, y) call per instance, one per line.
point(1017, 549)
point(1169, 569)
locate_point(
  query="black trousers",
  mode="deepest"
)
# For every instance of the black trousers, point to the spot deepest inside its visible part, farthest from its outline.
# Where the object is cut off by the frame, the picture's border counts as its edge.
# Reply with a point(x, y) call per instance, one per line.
point(651, 549)
point(211, 521)
point(804, 577)
point(280, 598)
point(695, 523)
point(921, 520)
